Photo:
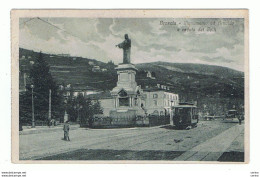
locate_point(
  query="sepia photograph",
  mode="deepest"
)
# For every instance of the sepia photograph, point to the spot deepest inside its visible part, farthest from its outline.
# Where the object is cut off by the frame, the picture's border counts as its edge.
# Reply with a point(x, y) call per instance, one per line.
point(136, 86)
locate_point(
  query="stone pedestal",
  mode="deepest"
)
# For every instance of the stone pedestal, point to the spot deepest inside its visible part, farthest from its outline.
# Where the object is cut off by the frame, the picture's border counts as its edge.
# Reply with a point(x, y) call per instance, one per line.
point(127, 95)
point(66, 117)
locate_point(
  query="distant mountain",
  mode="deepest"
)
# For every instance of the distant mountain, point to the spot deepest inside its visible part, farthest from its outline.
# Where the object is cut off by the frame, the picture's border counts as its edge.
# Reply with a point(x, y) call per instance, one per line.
point(196, 69)
point(198, 78)
point(190, 81)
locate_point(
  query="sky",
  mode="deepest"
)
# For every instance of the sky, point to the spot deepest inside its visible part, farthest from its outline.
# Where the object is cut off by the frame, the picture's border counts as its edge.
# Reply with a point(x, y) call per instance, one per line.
point(205, 41)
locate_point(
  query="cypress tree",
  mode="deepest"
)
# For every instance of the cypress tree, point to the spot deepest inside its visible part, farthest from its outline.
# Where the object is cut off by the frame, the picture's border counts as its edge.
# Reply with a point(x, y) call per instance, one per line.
point(42, 80)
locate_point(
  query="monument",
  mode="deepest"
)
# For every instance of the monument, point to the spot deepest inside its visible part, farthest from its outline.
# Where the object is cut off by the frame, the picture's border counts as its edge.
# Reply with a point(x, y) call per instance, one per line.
point(126, 46)
point(127, 94)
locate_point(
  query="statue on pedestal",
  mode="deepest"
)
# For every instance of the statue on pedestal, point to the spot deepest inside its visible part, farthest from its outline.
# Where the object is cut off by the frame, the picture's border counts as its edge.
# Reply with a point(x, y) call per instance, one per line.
point(126, 46)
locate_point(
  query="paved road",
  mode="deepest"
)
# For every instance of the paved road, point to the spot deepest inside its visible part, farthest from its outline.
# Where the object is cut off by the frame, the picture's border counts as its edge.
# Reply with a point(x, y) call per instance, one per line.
point(135, 143)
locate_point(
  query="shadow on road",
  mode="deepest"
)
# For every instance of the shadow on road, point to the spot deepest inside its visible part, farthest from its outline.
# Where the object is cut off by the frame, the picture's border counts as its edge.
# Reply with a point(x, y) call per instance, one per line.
point(109, 154)
point(232, 156)
point(171, 127)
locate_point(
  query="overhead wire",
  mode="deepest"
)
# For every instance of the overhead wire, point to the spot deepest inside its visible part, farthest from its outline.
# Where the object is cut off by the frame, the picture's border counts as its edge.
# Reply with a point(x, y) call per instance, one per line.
point(46, 22)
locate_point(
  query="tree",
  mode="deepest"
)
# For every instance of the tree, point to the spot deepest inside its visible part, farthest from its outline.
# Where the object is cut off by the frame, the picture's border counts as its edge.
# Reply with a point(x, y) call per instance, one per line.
point(110, 65)
point(42, 80)
point(153, 74)
point(84, 108)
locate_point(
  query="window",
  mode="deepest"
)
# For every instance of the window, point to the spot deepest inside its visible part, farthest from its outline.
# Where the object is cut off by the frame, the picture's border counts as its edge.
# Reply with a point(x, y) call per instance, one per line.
point(155, 95)
point(161, 113)
point(155, 102)
point(155, 112)
point(123, 101)
point(136, 102)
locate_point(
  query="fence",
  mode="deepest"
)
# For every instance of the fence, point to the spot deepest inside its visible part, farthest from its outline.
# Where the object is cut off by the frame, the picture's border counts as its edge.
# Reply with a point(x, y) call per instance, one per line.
point(158, 120)
point(108, 122)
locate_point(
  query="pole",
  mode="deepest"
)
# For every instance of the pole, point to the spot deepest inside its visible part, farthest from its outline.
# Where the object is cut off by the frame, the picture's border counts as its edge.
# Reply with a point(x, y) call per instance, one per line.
point(78, 114)
point(33, 120)
point(49, 117)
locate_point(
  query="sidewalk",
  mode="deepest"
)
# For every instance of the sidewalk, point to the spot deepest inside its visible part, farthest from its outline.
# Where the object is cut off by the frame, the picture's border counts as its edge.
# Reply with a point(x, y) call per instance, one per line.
point(213, 148)
point(45, 129)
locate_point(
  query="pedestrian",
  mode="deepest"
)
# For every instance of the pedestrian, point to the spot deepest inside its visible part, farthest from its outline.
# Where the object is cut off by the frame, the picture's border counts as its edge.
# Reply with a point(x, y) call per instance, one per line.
point(240, 120)
point(66, 129)
point(49, 123)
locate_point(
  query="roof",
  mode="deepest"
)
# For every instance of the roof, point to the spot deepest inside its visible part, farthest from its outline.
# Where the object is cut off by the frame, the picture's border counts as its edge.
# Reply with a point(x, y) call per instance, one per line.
point(82, 87)
point(232, 110)
point(98, 96)
point(157, 90)
point(185, 103)
point(184, 106)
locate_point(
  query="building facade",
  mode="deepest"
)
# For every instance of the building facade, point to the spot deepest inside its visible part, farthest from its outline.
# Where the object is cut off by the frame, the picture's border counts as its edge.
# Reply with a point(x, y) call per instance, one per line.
point(159, 102)
point(151, 102)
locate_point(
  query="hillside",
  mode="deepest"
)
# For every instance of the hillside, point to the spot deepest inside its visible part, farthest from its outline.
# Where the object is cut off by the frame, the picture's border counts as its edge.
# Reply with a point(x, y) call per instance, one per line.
point(198, 79)
point(72, 70)
point(203, 83)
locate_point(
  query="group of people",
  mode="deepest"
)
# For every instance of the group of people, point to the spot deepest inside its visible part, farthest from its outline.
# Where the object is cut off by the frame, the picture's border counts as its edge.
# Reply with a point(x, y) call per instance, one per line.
point(52, 122)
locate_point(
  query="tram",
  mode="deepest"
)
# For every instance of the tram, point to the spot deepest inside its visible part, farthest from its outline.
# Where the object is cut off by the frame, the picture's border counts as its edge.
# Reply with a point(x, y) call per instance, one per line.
point(185, 115)
point(233, 116)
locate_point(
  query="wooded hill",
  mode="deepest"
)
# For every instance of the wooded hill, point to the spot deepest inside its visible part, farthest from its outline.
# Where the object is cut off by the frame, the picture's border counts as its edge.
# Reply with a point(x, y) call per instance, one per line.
point(206, 84)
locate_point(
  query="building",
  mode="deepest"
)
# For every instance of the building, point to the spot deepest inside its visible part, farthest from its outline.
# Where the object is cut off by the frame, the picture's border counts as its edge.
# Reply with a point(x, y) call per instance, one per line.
point(96, 68)
point(63, 55)
point(91, 63)
point(149, 75)
point(76, 90)
point(152, 101)
point(106, 101)
point(84, 90)
point(159, 101)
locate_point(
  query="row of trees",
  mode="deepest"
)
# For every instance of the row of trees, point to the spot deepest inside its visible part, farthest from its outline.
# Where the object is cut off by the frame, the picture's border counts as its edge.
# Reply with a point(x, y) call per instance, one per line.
point(82, 110)
point(41, 81)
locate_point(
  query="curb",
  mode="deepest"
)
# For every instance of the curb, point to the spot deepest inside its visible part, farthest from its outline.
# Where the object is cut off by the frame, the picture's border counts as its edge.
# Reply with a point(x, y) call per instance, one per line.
point(45, 130)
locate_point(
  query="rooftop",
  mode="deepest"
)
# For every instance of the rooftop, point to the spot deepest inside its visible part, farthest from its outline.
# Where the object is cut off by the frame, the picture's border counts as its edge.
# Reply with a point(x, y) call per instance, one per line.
point(102, 95)
point(154, 89)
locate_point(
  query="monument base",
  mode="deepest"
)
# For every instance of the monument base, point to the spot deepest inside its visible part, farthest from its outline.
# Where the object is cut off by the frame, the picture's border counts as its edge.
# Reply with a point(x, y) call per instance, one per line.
point(123, 117)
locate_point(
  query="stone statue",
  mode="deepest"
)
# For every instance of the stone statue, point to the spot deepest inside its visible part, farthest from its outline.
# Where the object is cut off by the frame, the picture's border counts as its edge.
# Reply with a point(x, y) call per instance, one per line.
point(126, 46)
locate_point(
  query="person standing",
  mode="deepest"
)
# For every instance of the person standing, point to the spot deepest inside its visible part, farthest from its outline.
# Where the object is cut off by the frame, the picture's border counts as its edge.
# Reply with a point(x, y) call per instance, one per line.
point(240, 120)
point(66, 129)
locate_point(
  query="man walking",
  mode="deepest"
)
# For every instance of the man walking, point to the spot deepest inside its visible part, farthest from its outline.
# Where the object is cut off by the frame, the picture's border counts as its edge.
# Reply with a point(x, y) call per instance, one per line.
point(66, 129)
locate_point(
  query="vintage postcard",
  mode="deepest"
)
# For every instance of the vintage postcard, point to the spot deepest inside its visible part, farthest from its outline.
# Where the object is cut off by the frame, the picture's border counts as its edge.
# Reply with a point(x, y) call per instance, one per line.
point(130, 86)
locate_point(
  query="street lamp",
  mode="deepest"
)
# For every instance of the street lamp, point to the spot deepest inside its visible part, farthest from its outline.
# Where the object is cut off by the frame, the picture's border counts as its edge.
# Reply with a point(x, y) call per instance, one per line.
point(33, 120)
